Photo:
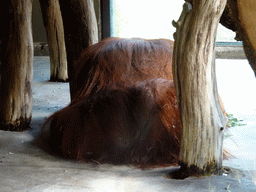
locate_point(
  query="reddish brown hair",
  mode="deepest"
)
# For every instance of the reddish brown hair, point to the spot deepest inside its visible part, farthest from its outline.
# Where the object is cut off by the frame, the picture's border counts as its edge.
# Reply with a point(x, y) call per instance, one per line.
point(125, 108)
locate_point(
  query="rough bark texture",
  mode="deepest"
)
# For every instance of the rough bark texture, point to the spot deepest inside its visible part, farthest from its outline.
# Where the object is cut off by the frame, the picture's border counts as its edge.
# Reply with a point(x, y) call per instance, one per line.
point(16, 55)
point(80, 28)
point(239, 16)
point(195, 82)
point(55, 37)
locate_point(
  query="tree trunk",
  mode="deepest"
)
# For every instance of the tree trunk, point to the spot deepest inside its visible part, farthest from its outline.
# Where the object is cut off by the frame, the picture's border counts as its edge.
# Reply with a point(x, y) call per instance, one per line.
point(239, 16)
point(195, 81)
point(80, 28)
point(98, 17)
point(55, 37)
point(16, 65)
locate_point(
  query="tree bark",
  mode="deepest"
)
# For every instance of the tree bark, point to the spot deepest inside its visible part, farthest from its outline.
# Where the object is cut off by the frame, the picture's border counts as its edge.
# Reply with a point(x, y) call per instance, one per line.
point(55, 37)
point(80, 28)
point(202, 119)
point(97, 5)
point(16, 55)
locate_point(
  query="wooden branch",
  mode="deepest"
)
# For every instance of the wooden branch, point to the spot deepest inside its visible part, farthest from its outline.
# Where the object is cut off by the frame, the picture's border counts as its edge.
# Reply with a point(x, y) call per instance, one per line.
point(16, 65)
point(80, 28)
point(97, 5)
point(55, 37)
point(196, 88)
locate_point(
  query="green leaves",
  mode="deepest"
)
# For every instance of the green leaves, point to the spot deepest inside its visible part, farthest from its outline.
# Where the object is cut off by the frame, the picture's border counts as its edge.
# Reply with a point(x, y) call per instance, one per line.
point(232, 121)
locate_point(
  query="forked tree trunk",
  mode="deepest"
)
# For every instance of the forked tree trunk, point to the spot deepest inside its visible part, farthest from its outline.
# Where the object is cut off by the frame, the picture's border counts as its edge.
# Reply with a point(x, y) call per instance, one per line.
point(195, 81)
point(16, 56)
point(55, 37)
point(239, 16)
point(80, 28)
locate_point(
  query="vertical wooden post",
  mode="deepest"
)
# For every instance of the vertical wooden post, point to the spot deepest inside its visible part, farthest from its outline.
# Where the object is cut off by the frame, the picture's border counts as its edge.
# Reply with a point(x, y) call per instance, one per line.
point(16, 57)
point(195, 81)
point(97, 6)
point(80, 28)
point(55, 37)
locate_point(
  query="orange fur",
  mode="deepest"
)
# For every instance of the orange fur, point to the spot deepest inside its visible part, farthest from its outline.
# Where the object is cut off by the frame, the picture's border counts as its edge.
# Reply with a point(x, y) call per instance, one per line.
point(125, 109)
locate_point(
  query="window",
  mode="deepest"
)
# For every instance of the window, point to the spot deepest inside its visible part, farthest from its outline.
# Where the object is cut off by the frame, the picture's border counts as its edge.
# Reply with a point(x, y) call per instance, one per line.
point(153, 19)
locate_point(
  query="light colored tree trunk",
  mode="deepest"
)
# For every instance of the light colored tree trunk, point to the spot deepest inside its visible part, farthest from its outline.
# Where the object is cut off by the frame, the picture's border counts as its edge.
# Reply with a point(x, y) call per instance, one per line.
point(16, 65)
point(97, 5)
point(80, 28)
point(195, 81)
point(55, 37)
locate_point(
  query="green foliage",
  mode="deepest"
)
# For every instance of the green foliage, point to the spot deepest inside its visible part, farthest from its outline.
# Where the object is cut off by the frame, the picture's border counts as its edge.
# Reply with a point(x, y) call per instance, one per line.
point(232, 121)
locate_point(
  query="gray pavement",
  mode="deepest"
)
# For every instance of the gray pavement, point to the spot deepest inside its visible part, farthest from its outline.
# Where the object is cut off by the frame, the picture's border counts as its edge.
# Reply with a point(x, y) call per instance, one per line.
point(24, 166)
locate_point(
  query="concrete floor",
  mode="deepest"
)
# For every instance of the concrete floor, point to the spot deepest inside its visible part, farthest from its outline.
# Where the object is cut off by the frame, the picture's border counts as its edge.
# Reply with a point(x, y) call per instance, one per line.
point(26, 167)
